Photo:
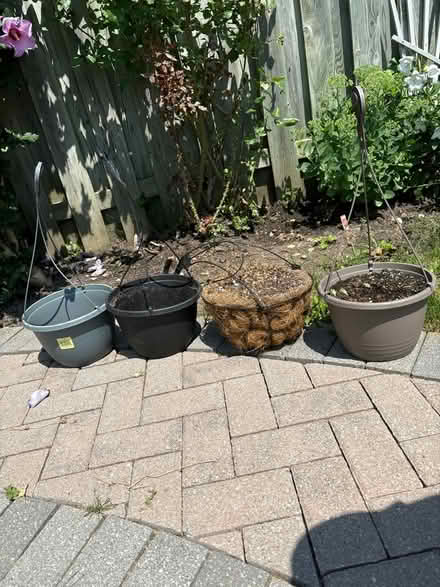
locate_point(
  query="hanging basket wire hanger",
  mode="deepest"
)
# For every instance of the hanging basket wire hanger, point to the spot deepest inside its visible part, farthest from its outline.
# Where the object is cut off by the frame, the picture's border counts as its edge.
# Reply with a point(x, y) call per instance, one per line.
point(359, 108)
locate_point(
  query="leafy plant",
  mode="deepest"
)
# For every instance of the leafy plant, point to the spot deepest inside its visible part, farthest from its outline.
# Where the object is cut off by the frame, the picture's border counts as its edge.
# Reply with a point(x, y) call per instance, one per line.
point(99, 507)
point(403, 136)
point(12, 493)
point(149, 499)
point(318, 312)
point(384, 248)
point(323, 242)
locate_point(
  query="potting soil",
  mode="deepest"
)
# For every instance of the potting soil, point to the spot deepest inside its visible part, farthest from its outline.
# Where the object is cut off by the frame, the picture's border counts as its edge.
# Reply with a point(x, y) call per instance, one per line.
point(379, 286)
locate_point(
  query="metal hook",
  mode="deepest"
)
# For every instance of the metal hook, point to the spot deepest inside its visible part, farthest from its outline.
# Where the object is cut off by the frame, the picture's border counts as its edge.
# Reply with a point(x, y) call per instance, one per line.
point(359, 108)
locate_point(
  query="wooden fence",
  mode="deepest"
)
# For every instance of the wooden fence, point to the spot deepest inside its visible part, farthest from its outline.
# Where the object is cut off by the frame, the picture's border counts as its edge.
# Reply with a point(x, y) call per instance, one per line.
point(103, 144)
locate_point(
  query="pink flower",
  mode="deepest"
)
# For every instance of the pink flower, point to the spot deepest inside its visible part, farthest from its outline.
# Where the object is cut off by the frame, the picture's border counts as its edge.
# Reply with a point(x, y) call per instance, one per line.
point(18, 35)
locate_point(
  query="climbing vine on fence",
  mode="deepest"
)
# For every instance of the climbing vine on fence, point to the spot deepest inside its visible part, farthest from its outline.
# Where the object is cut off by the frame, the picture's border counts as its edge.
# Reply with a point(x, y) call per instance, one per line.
point(184, 52)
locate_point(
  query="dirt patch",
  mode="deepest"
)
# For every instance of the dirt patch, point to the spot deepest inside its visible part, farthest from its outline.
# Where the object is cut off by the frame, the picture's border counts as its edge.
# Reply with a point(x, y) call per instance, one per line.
point(293, 237)
point(379, 286)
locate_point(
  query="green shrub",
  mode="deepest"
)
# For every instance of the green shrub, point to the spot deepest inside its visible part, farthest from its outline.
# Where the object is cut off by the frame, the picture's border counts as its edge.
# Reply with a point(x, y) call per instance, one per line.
point(403, 135)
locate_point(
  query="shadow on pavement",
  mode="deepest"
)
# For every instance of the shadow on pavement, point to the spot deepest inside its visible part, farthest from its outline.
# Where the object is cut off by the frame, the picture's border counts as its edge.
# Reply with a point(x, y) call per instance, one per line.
point(398, 545)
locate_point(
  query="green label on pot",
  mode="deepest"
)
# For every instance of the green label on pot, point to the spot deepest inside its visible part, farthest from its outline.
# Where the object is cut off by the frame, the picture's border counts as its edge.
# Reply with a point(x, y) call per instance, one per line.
point(65, 343)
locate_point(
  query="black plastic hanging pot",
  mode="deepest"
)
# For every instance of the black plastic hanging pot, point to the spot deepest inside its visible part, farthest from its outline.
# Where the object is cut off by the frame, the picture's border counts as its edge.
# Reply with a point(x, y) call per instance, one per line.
point(158, 314)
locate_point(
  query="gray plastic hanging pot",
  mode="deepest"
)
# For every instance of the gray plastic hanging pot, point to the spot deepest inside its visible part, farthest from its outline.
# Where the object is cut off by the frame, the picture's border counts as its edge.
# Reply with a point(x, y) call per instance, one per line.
point(382, 331)
point(157, 315)
point(73, 325)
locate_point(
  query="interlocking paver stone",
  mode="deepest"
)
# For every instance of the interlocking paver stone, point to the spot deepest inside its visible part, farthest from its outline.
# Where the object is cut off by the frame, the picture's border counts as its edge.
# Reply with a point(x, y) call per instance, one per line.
point(156, 495)
point(427, 364)
point(97, 562)
point(52, 551)
point(230, 368)
point(109, 358)
point(18, 525)
point(311, 347)
point(176, 404)
point(11, 362)
point(168, 562)
point(107, 373)
point(23, 470)
point(338, 355)
point(59, 380)
point(376, 460)
point(405, 410)
point(83, 488)
point(191, 357)
point(279, 583)
point(340, 528)
point(328, 374)
point(408, 522)
point(283, 547)
point(403, 366)
point(227, 505)
point(284, 377)
point(248, 404)
point(70, 452)
point(413, 571)
point(220, 569)
point(434, 400)
point(325, 402)
point(127, 354)
point(284, 447)
point(122, 405)
point(230, 542)
point(24, 341)
point(39, 357)
point(67, 403)
point(164, 375)
point(12, 376)
point(206, 448)
point(4, 501)
point(7, 333)
point(424, 454)
point(27, 438)
point(428, 388)
point(135, 443)
point(14, 404)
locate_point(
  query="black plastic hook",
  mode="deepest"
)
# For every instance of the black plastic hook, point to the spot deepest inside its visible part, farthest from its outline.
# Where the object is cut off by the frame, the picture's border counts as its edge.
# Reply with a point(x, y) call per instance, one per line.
point(359, 108)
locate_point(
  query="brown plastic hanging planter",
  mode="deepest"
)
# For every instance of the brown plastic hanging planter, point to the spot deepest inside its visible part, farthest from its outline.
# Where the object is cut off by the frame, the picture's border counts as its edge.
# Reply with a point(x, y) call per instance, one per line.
point(382, 331)
point(376, 331)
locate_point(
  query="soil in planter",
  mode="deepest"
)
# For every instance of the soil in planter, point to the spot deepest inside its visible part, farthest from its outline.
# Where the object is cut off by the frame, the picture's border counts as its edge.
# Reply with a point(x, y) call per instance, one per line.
point(379, 286)
point(151, 296)
point(262, 278)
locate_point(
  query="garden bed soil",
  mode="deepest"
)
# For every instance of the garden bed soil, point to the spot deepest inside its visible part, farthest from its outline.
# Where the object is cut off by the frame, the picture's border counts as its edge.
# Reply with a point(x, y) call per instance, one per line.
point(298, 239)
point(379, 286)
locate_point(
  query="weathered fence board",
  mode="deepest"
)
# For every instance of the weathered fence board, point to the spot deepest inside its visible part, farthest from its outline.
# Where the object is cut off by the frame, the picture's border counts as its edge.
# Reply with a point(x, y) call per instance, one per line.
point(371, 32)
point(283, 60)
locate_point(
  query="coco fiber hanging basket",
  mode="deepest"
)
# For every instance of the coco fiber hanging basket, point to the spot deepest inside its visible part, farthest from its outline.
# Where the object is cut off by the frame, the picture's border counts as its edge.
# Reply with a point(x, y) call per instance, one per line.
point(260, 306)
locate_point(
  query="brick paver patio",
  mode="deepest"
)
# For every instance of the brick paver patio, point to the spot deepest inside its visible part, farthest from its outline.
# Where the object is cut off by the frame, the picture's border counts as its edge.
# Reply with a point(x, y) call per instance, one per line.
point(320, 472)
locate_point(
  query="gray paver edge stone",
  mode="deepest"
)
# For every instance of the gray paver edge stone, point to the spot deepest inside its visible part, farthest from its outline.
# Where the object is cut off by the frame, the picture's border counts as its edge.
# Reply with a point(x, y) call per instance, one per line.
point(155, 531)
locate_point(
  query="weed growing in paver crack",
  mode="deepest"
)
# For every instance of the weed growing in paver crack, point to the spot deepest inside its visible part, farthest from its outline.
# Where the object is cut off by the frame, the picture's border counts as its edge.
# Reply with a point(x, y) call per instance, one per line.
point(99, 507)
point(12, 493)
point(149, 499)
